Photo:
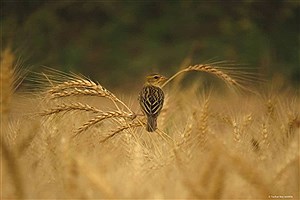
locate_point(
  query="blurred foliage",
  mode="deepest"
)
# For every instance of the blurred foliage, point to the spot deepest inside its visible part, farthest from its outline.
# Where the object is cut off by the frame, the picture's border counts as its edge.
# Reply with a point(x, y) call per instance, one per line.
point(117, 41)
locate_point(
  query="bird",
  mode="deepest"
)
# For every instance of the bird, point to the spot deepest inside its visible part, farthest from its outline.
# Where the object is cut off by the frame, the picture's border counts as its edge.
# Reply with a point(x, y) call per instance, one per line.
point(151, 99)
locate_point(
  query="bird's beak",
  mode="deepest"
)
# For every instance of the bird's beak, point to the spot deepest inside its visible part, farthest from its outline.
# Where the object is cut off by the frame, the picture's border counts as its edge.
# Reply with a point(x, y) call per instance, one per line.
point(164, 78)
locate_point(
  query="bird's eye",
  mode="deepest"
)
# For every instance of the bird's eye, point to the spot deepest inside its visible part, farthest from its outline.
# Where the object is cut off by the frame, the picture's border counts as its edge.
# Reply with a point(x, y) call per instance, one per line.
point(156, 77)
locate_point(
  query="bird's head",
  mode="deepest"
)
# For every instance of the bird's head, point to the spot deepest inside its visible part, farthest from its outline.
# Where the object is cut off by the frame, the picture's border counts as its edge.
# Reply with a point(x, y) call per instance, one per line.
point(155, 79)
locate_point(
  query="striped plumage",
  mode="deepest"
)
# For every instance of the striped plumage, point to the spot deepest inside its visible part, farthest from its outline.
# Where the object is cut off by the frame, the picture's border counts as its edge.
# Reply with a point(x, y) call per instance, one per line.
point(151, 100)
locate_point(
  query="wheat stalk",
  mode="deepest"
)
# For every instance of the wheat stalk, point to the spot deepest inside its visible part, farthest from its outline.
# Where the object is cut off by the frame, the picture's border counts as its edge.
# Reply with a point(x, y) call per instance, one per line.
point(80, 87)
point(95, 177)
point(236, 131)
point(233, 78)
point(70, 107)
point(7, 79)
point(83, 87)
point(69, 84)
point(203, 132)
point(14, 169)
point(264, 134)
point(75, 86)
point(250, 174)
point(79, 91)
point(284, 168)
point(8, 84)
point(101, 117)
point(217, 185)
point(244, 169)
point(122, 128)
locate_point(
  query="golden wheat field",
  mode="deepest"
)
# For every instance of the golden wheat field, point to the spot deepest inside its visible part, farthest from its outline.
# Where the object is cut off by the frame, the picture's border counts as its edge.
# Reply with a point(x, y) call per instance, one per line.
point(74, 139)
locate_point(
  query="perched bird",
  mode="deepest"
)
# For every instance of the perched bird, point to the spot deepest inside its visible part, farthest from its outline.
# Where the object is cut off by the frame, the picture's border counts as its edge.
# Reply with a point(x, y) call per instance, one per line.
point(151, 99)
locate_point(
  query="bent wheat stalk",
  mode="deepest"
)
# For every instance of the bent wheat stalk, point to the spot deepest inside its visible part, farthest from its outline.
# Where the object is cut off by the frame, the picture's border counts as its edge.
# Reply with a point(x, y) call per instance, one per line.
point(233, 78)
point(84, 87)
point(69, 84)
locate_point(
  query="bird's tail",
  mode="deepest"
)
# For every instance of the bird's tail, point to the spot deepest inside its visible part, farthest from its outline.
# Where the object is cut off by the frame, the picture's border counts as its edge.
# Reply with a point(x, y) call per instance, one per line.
point(151, 124)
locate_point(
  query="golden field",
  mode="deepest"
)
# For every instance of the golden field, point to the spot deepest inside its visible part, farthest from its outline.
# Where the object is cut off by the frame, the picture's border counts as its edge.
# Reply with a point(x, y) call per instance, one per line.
point(85, 143)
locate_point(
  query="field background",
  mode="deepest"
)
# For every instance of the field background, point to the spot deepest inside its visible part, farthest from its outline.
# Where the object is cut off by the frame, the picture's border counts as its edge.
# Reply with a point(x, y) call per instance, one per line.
point(212, 143)
point(116, 41)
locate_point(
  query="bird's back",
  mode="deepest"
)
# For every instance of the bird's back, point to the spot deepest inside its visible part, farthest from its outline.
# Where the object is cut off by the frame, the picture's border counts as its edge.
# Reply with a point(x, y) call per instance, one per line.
point(151, 100)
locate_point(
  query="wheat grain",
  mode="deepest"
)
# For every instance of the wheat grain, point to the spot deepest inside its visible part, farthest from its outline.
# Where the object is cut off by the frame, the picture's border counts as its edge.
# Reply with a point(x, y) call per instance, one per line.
point(264, 134)
point(236, 131)
point(202, 135)
point(270, 109)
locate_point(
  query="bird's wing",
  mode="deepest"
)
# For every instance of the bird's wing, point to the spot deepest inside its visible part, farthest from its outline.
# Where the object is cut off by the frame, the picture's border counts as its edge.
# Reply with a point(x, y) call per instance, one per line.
point(151, 100)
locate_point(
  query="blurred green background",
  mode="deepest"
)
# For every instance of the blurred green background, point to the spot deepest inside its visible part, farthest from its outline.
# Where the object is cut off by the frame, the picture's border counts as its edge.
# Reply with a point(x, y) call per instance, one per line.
point(117, 42)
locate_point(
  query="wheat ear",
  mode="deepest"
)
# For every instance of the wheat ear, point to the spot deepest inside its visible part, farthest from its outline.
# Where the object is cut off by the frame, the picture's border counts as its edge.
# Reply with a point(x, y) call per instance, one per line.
point(77, 85)
point(101, 117)
point(233, 78)
point(70, 107)
point(122, 128)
